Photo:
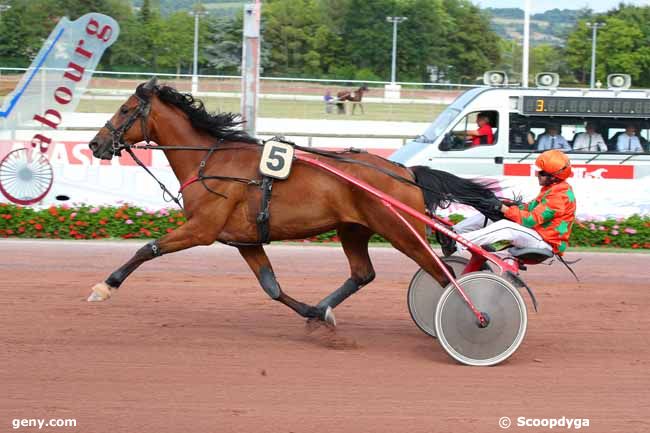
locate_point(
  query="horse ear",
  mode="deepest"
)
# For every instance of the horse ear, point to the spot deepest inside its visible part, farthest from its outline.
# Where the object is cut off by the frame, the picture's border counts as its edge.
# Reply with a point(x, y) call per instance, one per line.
point(150, 85)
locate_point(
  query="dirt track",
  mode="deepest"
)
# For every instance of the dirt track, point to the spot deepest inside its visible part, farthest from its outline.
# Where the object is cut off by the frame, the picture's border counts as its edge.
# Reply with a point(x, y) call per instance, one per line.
point(192, 344)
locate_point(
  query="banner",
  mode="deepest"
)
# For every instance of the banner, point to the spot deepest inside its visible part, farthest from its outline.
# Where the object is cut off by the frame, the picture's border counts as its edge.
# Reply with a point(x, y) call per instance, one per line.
point(51, 88)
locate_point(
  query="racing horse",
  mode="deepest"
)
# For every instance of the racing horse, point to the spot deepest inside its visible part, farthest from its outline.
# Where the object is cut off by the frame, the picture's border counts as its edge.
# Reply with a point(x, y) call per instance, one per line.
point(355, 97)
point(217, 165)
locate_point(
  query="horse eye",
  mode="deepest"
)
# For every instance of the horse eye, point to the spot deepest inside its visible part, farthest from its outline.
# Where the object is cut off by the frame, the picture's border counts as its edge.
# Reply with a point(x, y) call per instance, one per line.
point(124, 109)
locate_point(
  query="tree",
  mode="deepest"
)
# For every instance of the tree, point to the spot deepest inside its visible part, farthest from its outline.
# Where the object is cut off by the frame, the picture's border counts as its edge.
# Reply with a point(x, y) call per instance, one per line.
point(473, 45)
point(296, 34)
point(622, 45)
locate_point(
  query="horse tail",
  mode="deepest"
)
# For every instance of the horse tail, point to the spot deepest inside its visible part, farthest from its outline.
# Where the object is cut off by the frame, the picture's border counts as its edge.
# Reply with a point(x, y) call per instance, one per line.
point(440, 188)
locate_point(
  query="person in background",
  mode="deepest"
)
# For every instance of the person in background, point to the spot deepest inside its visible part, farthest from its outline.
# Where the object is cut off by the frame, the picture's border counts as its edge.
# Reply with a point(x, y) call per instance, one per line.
point(482, 135)
point(552, 140)
point(329, 101)
point(589, 141)
point(629, 141)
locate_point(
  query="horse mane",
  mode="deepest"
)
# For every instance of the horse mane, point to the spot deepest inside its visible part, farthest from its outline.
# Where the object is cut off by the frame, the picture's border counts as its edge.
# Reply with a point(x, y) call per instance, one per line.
point(219, 125)
point(440, 188)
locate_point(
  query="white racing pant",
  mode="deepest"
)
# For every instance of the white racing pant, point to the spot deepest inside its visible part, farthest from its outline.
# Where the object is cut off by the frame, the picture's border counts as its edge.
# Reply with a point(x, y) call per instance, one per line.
point(474, 230)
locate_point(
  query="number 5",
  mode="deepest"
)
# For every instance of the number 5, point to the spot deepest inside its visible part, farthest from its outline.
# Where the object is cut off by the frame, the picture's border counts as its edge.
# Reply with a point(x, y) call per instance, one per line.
point(276, 160)
point(277, 154)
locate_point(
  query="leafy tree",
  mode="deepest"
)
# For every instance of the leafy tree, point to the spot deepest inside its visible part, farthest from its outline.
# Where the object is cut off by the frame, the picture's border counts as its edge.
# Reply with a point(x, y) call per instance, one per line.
point(623, 45)
point(473, 46)
point(296, 33)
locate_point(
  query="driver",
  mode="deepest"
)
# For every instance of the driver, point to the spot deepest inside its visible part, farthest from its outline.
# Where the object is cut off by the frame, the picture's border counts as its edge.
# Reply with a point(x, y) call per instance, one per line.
point(482, 135)
point(543, 223)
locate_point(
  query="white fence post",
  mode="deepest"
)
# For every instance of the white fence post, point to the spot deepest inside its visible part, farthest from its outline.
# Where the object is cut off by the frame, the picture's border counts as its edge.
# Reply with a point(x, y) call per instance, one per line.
point(251, 65)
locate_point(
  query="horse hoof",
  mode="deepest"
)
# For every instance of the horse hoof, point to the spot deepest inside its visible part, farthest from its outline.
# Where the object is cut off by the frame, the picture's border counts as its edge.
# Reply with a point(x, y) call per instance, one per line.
point(100, 292)
point(329, 316)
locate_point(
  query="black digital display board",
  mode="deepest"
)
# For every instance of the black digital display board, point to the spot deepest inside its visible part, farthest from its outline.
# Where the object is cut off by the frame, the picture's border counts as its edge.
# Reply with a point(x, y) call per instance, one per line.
point(582, 106)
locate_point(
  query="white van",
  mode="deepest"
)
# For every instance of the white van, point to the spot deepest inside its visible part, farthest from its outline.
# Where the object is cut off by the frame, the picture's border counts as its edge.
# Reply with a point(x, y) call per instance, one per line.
point(608, 182)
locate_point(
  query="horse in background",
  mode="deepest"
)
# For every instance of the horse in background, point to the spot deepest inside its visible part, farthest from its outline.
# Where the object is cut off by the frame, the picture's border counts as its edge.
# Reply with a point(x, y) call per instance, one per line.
point(355, 96)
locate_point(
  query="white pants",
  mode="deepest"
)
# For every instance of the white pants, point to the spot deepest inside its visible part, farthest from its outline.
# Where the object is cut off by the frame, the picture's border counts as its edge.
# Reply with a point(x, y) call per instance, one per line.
point(473, 230)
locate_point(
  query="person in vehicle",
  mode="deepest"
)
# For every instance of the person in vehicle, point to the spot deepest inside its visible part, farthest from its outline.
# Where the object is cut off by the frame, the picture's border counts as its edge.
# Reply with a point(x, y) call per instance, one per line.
point(544, 223)
point(551, 139)
point(482, 135)
point(590, 140)
point(629, 141)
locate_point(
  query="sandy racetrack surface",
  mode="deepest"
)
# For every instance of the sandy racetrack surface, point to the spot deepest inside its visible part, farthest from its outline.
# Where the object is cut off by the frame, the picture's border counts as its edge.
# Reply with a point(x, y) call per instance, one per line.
point(192, 344)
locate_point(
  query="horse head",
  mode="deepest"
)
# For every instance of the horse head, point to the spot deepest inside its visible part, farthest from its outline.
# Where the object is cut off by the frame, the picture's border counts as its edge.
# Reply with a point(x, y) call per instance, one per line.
point(122, 129)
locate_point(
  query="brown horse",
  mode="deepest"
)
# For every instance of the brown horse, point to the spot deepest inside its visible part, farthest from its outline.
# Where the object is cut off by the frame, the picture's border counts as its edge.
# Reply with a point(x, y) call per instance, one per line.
point(224, 204)
point(355, 97)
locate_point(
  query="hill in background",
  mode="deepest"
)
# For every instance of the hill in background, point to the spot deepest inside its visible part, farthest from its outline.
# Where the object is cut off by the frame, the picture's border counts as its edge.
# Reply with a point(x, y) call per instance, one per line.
point(550, 27)
point(216, 7)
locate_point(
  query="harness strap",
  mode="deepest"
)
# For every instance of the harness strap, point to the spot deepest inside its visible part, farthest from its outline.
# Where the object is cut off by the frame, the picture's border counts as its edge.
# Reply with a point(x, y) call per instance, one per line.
point(262, 220)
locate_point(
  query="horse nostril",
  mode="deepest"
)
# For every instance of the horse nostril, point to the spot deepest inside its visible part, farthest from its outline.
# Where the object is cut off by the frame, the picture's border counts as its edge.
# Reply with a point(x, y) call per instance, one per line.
point(93, 145)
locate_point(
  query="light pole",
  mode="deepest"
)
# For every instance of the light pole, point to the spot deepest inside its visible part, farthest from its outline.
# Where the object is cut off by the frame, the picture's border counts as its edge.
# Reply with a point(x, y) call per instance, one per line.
point(198, 10)
point(526, 45)
point(594, 27)
point(395, 21)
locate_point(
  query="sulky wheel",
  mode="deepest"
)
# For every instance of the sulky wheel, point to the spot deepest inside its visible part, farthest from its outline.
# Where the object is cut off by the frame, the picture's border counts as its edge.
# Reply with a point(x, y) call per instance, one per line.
point(424, 293)
point(457, 327)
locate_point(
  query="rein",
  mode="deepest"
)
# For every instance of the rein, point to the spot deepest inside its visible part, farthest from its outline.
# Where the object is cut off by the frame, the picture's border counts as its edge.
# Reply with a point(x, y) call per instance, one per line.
point(142, 112)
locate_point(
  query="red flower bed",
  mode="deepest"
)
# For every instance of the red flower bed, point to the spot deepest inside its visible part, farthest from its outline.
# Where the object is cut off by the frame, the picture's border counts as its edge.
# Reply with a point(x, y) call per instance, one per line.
point(132, 222)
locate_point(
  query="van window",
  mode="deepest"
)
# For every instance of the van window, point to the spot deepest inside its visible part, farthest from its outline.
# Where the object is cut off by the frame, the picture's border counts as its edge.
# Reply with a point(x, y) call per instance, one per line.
point(526, 132)
point(478, 128)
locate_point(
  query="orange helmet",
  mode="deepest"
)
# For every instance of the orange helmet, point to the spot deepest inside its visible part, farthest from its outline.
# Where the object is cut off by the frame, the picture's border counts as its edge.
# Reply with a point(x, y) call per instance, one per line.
point(554, 162)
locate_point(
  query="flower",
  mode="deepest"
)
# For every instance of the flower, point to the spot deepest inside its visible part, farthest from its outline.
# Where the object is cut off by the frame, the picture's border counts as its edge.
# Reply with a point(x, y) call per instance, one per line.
point(603, 228)
point(607, 240)
point(138, 213)
point(615, 227)
point(73, 214)
point(94, 210)
point(128, 222)
point(614, 232)
point(592, 227)
point(38, 227)
point(629, 230)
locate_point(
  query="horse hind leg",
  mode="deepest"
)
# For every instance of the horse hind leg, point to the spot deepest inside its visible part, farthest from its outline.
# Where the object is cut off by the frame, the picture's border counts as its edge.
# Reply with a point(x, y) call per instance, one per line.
point(354, 239)
point(259, 263)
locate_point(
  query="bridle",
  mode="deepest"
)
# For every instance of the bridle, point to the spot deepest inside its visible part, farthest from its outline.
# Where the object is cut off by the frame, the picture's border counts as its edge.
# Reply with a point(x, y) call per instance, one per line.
point(117, 134)
point(142, 112)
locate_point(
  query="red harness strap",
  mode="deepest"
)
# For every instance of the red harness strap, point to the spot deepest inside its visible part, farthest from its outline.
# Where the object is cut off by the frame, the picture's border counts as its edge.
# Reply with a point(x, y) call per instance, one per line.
point(188, 182)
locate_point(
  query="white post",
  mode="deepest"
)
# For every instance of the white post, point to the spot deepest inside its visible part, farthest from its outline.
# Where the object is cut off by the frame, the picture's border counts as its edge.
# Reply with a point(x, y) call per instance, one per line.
point(392, 90)
point(195, 66)
point(524, 60)
point(394, 59)
point(250, 68)
point(594, 27)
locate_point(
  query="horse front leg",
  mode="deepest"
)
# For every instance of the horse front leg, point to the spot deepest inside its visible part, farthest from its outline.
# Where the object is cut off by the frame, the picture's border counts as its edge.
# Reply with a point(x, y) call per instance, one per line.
point(259, 263)
point(189, 235)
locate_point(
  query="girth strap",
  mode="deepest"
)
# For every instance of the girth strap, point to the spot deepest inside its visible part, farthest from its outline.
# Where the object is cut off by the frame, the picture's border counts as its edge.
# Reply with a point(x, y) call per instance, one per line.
point(262, 220)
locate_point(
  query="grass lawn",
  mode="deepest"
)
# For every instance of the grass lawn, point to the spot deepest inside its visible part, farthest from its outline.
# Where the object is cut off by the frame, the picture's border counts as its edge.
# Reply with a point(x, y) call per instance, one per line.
point(296, 109)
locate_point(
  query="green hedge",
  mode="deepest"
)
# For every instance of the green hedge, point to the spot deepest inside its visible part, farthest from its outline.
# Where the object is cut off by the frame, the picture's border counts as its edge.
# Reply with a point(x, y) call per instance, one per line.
point(126, 221)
